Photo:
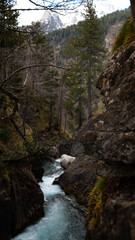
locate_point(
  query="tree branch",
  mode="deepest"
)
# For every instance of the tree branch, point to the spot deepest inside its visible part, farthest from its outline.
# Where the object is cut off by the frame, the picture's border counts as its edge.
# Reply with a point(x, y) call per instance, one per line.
point(52, 6)
point(23, 158)
point(30, 66)
point(21, 9)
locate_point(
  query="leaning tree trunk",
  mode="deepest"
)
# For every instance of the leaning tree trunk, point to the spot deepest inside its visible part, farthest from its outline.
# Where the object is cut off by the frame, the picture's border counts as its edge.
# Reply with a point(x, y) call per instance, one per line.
point(133, 10)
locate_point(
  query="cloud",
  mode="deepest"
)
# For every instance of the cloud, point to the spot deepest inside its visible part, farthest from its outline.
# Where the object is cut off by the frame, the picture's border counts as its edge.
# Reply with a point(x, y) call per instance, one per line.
point(101, 5)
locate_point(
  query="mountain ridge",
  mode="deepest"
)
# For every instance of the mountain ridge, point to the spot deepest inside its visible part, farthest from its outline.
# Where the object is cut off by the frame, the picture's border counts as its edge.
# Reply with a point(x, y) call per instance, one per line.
point(52, 21)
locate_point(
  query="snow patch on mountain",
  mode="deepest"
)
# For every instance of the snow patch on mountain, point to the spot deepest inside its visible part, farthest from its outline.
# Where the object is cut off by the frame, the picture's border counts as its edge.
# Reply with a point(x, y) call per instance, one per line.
point(52, 21)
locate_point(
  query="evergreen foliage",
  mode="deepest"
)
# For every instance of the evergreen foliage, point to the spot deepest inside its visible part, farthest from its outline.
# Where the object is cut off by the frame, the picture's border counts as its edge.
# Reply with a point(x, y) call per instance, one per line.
point(45, 89)
point(112, 18)
point(76, 97)
point(62, 35)
point(9, 37)
point(8, 24)
point(87, 51)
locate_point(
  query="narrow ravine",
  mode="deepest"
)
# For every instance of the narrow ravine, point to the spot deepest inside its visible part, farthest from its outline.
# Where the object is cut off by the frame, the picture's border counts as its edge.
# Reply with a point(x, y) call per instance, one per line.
point(63, 220)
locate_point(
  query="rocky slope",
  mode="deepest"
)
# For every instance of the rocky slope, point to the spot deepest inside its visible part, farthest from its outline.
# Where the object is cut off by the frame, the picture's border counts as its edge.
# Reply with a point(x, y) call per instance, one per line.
point(21, 199)
point(105, 150)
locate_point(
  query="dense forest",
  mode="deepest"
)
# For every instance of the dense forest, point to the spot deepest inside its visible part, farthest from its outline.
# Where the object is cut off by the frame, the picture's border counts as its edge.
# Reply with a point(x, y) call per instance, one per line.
point(66, 93)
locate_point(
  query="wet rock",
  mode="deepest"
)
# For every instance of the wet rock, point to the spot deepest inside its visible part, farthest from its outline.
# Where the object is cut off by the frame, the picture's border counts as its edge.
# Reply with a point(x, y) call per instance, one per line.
point(78, 178)
point(117, 221)
point(37, 161)
point(36, 166)
point(56, 181)
point(21, 201)
point(81, 176)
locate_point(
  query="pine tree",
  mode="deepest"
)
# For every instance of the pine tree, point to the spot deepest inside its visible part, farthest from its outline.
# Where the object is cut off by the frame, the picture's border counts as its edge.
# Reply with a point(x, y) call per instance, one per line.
point(8, 23)
point(51, 85)
point(87, 49)
point(76, 97)
point(8, 35)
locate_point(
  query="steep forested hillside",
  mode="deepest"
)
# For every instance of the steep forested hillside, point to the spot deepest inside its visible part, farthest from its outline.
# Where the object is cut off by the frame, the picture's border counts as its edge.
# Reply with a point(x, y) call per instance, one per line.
point(60, 36)
point(61, 41)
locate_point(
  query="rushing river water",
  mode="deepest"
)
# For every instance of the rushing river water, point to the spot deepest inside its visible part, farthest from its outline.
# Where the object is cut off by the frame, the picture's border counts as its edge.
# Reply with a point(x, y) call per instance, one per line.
point(63, 220)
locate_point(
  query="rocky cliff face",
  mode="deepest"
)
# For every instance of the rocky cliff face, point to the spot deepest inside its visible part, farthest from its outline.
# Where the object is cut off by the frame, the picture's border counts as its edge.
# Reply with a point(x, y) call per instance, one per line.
point(21, 200)
point(108, 140)
point(111, 136)
point(111, 34)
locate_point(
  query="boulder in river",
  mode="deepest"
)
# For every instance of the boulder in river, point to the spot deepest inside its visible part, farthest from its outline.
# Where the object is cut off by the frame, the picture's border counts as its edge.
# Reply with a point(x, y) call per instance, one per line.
point(66, 160)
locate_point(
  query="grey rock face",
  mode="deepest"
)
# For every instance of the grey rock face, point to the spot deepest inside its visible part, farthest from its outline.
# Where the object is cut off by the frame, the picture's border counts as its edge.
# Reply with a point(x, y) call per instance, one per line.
point(21, 201)
point(111, 135)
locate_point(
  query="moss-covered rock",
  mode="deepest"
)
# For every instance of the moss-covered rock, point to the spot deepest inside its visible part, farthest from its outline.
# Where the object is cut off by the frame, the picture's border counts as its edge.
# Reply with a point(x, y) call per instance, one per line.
point(115, 212)
point(125, 36)
point(95, 204)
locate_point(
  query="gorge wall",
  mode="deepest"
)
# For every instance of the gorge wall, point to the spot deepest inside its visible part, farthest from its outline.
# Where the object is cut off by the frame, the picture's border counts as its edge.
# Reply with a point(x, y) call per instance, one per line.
point(104, 171)
point(21, 200)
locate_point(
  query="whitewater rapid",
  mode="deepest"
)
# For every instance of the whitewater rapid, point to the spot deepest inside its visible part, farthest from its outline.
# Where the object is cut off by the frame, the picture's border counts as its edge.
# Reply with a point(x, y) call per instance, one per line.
point(63, 220)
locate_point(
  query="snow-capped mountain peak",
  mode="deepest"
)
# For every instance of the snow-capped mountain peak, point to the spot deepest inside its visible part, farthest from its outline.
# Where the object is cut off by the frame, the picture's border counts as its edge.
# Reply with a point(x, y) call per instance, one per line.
point(53, 21)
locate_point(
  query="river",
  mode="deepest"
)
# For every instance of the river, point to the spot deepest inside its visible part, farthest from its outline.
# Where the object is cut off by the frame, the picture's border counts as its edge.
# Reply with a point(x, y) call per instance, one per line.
point(64, 219)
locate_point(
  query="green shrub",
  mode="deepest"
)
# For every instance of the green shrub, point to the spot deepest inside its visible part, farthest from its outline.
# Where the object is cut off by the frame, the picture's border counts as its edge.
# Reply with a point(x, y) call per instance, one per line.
point(126, 35)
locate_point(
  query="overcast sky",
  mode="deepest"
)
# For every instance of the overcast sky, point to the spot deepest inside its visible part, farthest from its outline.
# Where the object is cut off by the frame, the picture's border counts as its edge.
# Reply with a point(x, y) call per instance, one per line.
point(27, 17)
